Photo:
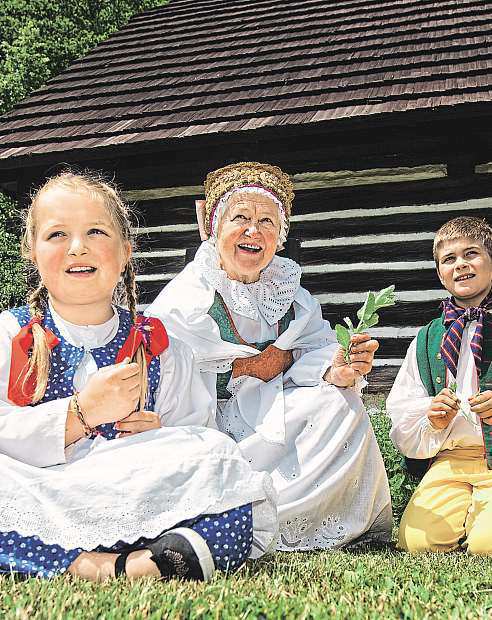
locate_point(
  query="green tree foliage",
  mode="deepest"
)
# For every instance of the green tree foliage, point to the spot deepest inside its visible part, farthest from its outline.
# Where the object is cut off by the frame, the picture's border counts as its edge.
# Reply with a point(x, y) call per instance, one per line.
point(39, 39)
point(12, 280)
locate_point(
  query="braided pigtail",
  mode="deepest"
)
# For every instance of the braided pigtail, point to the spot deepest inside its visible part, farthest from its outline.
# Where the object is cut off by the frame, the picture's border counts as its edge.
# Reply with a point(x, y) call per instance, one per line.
point(39, 362)
point(139, 357)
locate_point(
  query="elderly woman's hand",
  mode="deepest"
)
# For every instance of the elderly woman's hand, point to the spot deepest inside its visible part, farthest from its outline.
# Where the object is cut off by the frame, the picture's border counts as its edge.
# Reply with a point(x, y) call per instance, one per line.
point(362, 350)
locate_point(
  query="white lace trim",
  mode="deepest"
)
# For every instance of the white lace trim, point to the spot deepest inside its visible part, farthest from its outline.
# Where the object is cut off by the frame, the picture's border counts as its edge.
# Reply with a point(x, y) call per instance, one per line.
point(103, 519)
point(271, 296)
point(303, 533)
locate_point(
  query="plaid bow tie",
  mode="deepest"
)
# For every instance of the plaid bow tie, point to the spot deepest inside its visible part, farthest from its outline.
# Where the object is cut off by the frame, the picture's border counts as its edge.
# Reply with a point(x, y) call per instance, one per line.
point(455, 319)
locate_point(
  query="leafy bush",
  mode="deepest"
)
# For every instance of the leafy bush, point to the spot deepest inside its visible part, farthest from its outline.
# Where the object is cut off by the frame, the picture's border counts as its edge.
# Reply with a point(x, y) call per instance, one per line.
point(12, 280)
point(401, 484)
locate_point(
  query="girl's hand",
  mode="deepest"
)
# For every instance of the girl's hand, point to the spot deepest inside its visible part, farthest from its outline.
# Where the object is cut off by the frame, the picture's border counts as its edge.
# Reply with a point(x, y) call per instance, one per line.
point(111, 393)
point(361, 353)
point(444, 408)
point(481, 404)
point(138, 422)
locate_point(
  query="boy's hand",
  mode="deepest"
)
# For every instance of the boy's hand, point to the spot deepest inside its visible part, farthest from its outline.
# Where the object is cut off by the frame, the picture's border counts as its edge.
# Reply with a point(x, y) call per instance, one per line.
point(362, 350)
point(138, 422)
point(481, 404)
point(444, 408)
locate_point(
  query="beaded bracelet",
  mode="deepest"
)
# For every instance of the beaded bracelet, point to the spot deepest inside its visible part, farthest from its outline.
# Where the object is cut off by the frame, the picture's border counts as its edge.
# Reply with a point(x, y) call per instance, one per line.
point(88, 431)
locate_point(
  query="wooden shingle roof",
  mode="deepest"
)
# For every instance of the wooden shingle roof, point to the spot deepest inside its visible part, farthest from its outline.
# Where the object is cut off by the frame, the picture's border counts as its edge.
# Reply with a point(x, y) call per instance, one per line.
point(198, 67)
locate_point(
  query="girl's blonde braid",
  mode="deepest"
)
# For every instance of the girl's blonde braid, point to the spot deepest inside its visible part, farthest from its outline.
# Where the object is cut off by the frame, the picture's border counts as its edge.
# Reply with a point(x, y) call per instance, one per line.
point(139, 357)
point(39, 362)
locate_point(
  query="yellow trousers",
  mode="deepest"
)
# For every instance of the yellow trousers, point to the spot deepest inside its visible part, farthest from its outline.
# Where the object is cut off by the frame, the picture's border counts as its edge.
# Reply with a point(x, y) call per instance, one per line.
point(451, 506)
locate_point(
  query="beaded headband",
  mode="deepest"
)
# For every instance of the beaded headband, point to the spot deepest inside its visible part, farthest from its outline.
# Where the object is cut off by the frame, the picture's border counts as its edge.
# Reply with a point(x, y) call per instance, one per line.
point(243, 174)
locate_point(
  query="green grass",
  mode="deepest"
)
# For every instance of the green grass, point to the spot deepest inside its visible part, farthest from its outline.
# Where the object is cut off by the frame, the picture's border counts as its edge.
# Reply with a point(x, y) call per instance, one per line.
point(373, 583)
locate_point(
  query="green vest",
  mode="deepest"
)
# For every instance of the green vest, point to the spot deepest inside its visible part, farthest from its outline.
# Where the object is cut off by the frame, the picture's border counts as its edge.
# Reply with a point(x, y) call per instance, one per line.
point(432, 368)
point(227, 332)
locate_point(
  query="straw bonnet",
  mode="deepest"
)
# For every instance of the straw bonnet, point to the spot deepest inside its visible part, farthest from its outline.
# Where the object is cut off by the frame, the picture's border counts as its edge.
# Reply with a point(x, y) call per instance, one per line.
point(243, 174)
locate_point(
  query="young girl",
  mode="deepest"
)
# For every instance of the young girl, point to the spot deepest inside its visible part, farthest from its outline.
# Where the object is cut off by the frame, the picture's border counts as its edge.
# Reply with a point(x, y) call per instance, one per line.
point(97, 480)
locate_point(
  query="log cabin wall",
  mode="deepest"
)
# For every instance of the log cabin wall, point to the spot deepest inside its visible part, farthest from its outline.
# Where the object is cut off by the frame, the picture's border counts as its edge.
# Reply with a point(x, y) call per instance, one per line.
point(359, 231)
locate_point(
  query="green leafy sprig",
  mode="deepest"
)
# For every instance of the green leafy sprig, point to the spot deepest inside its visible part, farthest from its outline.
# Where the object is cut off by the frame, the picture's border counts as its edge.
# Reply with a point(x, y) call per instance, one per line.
point(367, 315)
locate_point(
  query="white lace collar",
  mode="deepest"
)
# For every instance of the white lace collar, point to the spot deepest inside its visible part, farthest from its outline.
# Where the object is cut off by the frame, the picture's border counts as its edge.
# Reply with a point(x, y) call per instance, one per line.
point(271, 296)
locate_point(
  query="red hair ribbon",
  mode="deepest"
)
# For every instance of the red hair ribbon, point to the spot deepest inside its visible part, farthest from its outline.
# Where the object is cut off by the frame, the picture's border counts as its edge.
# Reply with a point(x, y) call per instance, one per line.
point(20, 392)
point(149, 332)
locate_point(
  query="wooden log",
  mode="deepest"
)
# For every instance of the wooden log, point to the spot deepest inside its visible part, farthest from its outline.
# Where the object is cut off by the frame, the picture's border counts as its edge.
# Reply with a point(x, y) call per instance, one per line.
point(370, 280)
point(438, 191)
point(310, 181)
point(403, 314)
point(355, 252)
point(381, 379)
point(325, 226)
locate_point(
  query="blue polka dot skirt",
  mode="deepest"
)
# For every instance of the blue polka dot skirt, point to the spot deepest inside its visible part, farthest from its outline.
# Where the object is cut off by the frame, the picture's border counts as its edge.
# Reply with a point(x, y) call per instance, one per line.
point(229, 536)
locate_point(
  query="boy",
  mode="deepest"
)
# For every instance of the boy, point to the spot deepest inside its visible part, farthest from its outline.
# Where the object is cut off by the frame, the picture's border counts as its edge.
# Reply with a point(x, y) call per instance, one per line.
point(434, 419)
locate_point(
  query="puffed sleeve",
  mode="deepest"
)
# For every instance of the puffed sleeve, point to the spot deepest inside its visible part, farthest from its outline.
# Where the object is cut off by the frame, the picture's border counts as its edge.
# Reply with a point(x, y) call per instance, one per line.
point(318, 344)
point(34, 435)
point(407, 405)
point(182, 398)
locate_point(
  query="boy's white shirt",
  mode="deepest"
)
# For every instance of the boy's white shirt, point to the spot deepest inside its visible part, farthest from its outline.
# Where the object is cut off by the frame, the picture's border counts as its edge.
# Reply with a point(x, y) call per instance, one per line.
point(408, 403)
point(36, 435)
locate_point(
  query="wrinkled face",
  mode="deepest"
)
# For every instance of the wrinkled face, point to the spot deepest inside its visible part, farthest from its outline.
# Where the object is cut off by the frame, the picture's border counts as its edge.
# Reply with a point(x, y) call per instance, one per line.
point(77, 250)
point(248, 235)
point(465, 269)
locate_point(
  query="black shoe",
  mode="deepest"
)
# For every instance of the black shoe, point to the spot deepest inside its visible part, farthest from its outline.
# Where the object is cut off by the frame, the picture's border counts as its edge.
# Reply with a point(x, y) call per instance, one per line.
point(178, 553)
point(182, 553)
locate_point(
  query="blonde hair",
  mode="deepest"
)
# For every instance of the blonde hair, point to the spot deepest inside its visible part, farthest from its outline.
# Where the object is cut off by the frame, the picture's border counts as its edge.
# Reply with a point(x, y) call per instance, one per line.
point(465, 226)
point(98, 189)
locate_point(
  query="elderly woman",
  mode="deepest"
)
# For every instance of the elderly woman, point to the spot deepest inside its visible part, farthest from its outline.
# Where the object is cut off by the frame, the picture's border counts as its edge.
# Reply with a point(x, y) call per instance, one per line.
point(284, 390)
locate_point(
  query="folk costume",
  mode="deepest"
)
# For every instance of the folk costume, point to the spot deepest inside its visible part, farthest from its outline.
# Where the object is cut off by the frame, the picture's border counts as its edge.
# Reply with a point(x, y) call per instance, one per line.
point(106, 493)
point(263, 349)
point(453, 501)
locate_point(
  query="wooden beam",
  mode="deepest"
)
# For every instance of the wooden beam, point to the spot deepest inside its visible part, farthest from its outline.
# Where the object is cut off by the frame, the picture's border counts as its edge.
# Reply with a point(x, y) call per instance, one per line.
point(134, 195)
point(358, 298)
point(368, 239)
point(349, 178)
point(313, 180)
point(483, 168)
point(345, 214)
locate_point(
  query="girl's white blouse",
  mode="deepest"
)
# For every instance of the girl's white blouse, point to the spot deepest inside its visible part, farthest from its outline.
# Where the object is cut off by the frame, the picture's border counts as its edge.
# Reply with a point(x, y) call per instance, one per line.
point(408, 403)
point(36, 434)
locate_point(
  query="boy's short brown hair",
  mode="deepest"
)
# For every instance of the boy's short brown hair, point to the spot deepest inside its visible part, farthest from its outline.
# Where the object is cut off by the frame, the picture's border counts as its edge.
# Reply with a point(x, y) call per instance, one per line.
point(464, 226)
